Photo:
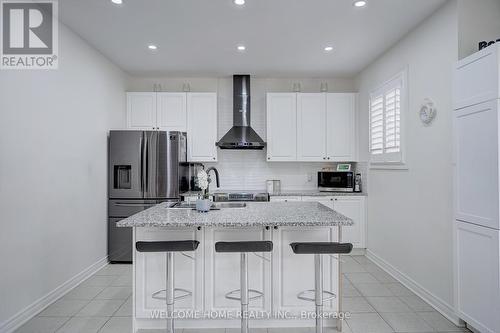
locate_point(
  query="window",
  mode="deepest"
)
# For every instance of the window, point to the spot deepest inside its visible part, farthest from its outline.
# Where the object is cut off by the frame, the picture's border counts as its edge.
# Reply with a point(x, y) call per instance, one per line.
point(386, 105)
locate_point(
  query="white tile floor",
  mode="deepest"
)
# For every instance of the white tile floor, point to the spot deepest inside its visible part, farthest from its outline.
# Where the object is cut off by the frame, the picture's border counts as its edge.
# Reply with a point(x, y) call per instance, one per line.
point(378, 304)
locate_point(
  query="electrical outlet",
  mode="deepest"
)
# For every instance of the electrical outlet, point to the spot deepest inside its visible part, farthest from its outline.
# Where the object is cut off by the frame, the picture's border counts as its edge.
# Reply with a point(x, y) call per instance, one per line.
point(309, 177)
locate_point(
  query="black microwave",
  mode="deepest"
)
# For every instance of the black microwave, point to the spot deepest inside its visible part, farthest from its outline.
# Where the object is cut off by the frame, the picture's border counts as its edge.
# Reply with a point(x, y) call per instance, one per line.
point(336, 181)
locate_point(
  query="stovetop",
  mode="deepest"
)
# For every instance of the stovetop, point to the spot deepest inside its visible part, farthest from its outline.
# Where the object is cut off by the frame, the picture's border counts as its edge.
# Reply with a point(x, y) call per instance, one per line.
point(233, 195)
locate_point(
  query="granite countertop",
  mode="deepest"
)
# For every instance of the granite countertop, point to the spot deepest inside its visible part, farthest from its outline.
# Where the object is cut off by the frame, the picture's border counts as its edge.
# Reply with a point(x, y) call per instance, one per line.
point(316, 193)
point(253, 215)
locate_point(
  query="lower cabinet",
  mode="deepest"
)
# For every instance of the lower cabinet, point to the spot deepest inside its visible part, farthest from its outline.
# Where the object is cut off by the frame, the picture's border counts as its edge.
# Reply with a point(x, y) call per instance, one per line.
point(294, 273)
point(222, 270)
point(478, 276)
point(151, 272)
point(280, 275)
point(354, 207)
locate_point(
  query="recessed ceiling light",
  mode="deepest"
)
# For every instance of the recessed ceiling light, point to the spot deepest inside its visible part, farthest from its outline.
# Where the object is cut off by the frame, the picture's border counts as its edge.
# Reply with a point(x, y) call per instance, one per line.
point(241, 48)
point(239, 2)
point(328, 48)
point(152, 47)
point(117, 2)
point(359, 4)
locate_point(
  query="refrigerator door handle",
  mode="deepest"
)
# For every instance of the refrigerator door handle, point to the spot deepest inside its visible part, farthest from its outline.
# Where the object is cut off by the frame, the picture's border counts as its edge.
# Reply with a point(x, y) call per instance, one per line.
point(144, 163)
point(141, 164)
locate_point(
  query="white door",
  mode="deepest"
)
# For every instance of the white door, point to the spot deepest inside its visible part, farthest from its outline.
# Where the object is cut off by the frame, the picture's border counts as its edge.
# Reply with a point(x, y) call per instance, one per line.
point(202, 127)
point(171, 111)
point(294, 273)
point(151, 272)
point(311, 127)
point(222, 270)
point(476, 150)
point(281, 126)
point(141, 110)
point(340, 127)
point(478, 280)
point(353, 208)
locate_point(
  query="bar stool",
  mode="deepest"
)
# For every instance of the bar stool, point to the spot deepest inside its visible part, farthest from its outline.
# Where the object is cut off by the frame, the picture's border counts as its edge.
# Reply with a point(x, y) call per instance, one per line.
point(243, 248)
point(319, 248)
point(169, 247)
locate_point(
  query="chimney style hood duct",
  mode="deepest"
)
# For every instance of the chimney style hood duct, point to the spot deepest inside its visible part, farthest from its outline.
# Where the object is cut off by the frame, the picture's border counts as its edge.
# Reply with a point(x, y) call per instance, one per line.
point(241, 135)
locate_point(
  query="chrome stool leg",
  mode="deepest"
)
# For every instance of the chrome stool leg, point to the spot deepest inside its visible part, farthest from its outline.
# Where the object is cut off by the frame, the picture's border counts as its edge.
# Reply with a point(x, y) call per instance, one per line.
point(244, 292)
point(318, 289)
point(170, 292)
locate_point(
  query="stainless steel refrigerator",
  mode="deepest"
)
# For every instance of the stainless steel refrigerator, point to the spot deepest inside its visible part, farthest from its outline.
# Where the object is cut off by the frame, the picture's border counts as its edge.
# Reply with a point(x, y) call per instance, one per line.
point(145, 168)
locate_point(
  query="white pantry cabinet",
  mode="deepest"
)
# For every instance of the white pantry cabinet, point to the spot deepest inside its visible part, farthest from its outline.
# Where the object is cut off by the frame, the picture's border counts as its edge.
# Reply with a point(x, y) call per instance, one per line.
point(281, 126)
point(478, 280)
point(194, 113)
point(202, 127)
point(477, 78)
point(313, 127)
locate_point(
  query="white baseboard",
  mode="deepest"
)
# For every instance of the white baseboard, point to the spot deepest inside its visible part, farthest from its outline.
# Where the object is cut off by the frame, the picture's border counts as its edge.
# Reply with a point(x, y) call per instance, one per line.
point(437, 303)
point(16, 321)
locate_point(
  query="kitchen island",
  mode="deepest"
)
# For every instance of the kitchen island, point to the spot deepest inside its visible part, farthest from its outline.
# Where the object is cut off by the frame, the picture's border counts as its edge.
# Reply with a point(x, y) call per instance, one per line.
point(210, 275)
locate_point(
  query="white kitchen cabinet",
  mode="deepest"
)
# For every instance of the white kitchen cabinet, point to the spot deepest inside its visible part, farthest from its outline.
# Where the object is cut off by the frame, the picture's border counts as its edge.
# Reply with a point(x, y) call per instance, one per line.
point(202, 127)
point(223, 270)
point(151, 272)
point(311, 127)
point(281, 126)
point(477, 78)
point(340, 124)
point(141, 110)
point(476, 148)
point(353, 207)
point(171, 111)
point(295, 273)
point(194, 113)
point(478, 276)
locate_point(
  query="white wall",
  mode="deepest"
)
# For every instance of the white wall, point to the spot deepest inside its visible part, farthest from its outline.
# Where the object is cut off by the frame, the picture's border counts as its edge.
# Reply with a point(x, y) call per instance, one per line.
point(479, 20)
point(410, 211)
point(249, 170)
point(53, 166)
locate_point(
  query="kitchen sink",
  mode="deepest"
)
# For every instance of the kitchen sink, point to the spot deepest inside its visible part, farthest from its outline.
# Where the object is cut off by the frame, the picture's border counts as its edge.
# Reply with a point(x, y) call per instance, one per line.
point(215, 206)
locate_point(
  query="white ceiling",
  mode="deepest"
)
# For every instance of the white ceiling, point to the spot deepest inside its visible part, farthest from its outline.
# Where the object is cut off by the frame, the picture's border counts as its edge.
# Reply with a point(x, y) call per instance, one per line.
point(284, 38)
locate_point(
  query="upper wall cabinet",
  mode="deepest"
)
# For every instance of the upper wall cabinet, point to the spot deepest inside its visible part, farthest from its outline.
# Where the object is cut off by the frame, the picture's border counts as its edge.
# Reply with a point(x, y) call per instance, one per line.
point(141, 110)
point(311, 127)
point(194, 113)
point(314, 127)
point(340, 127)
point(281, 126)
point(202, 127)
point(477, 78)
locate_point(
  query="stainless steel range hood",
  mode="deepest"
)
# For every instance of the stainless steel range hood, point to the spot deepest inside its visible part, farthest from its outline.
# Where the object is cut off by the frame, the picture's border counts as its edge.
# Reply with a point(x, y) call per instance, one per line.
point(241, 135)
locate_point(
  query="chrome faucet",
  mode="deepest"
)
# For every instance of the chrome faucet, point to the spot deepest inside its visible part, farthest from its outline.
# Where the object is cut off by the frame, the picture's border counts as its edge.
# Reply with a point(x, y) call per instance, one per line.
point(216, 177)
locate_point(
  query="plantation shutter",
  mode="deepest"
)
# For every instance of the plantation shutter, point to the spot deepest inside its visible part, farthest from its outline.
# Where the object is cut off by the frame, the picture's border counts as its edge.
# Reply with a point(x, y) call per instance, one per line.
point(385, 122)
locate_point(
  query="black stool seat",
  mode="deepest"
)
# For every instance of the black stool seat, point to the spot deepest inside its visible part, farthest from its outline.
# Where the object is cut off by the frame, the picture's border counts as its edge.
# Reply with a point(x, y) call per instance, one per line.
point(167, 246)
point(244, 246)
point(321, 248)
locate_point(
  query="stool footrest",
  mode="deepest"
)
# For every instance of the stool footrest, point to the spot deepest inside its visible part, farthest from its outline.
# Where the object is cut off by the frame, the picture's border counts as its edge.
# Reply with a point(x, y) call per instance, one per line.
point(161, 294)
point(302, 295)
point(236, 294)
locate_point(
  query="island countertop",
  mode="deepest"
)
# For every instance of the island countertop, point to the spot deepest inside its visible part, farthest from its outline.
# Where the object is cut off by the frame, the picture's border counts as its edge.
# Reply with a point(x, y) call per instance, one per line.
point(254, 214)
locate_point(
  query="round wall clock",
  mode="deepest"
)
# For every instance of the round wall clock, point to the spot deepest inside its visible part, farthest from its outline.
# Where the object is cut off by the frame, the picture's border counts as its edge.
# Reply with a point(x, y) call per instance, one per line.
point(427, 112)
